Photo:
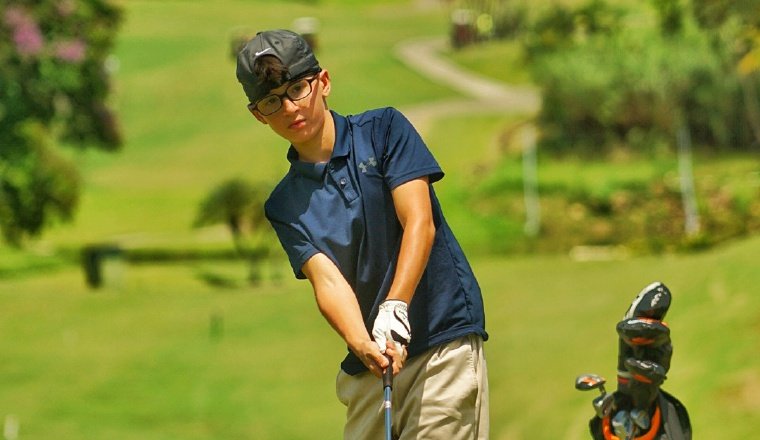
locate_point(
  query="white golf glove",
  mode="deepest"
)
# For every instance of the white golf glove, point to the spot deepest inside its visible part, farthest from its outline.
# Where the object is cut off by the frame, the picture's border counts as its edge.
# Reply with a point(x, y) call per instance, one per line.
point(392, 324)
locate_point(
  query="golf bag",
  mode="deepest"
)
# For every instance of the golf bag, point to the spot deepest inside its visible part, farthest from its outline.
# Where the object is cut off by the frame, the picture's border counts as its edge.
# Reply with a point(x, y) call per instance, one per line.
point(640, 409)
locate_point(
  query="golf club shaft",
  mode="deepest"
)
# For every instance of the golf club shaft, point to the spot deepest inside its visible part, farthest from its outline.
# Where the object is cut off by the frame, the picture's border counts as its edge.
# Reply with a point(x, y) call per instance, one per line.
point(387, 387)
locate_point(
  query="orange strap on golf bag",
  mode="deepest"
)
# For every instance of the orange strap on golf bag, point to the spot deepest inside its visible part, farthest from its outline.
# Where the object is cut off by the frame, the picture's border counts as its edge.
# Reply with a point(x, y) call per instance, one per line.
point(649, 435)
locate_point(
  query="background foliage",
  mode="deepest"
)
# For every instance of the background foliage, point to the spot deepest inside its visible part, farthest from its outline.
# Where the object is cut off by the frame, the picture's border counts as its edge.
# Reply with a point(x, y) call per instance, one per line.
point(631, 75)
point(54, 85)
point(620, 82)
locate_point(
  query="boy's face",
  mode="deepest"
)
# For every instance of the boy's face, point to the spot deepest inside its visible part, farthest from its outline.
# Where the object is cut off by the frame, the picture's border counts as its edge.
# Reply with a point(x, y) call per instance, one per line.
point(299, 122)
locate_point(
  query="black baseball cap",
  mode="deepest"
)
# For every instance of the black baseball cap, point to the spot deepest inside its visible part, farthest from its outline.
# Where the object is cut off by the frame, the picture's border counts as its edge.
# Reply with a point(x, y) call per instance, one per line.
point(289, 47)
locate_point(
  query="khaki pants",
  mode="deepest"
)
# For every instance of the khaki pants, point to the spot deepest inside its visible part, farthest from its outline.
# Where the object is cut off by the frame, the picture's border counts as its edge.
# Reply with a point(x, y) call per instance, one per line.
point(440, 394)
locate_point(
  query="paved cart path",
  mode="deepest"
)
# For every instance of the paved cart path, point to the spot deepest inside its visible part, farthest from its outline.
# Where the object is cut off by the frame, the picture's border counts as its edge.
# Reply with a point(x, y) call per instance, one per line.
point(481, 94)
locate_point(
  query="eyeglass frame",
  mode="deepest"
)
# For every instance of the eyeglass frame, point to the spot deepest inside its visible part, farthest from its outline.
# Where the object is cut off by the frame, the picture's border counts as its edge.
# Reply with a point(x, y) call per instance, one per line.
point(281, 96)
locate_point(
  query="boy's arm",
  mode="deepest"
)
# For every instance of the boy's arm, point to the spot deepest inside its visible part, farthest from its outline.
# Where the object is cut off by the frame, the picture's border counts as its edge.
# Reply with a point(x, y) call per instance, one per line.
point(413, 208)
point(338, 304)
point(414, 211)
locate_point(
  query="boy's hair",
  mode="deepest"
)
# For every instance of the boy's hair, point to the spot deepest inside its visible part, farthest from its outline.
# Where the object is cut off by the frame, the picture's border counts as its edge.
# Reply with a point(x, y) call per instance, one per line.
point(270, 70)
point(271, 59)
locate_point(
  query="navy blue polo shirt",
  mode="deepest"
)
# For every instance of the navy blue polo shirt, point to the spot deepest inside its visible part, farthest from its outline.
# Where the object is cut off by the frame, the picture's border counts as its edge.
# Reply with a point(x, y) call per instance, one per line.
point(344, 209)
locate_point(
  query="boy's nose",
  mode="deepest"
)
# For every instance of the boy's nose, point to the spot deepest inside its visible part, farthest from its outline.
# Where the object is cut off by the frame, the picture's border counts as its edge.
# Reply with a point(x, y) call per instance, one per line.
point(288, 105)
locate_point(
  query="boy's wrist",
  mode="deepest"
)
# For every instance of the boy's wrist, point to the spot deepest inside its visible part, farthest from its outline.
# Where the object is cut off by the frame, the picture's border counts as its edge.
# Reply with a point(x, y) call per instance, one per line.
point(355, 343)
point(398, 297)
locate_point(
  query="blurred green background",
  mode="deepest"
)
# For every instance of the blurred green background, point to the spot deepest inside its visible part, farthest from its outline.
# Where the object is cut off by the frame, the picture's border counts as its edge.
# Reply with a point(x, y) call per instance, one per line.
point(181, 346)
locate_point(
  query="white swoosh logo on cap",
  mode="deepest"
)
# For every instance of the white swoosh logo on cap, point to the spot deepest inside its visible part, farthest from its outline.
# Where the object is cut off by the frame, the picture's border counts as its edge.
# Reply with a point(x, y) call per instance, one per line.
point(258, 54)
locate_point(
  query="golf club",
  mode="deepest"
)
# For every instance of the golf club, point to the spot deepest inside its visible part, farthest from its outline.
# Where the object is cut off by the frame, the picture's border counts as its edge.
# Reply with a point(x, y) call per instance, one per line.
point(586, 382)
point(604, 402)
point(641, 418)
point(387, 387)
point(623, 425)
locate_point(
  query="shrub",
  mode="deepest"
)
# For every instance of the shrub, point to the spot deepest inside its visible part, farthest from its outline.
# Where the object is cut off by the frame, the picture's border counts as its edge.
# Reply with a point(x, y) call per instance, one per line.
point(561, 27)
point(634, 86)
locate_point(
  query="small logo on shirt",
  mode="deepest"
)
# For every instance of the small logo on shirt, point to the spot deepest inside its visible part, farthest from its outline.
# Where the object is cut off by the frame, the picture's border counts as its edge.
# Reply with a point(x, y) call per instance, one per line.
point(371, 162)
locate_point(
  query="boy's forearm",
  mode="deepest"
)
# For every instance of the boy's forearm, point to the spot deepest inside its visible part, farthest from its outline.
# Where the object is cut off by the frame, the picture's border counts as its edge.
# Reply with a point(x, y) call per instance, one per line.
point(416, 243)
point(414, 211)
point(341, 310)
point(336, 300)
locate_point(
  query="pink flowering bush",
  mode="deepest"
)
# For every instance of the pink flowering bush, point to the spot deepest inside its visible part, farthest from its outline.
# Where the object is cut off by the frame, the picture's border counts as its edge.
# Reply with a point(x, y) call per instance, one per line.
point(53, 91)
point(70, 51)
point(26, 34)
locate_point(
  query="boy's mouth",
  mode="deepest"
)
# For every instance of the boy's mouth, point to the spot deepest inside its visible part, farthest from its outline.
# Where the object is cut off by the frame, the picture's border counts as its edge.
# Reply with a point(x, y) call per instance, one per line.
point(297, 124)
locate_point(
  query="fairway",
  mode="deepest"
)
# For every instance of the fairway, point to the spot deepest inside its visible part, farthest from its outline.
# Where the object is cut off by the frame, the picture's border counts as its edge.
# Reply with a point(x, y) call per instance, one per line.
point(162, 355)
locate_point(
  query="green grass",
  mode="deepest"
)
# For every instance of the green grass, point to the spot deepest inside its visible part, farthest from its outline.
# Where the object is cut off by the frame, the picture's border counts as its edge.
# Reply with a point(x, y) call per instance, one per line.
point(465, 146)
point(138, 359)
point(562, 318)
point(139, 362)
point(500, 60)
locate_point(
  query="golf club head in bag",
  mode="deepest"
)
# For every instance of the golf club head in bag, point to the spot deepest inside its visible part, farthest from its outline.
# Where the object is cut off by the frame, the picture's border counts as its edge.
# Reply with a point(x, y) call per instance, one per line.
point(603, 403)
point(644, 348)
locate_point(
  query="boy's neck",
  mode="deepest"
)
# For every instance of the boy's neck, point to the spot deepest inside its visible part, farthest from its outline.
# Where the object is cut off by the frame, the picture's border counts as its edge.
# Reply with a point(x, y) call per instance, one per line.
point(321, 147)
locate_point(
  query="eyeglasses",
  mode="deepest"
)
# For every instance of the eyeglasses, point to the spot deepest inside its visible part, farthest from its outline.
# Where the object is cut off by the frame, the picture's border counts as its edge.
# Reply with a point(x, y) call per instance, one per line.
point(296, 91)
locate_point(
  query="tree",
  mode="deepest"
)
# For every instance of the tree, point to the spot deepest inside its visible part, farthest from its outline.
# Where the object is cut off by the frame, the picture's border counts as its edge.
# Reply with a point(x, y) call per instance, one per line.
point(624, 85)
point(239, 205)
point(54, 84)
point(734, 25)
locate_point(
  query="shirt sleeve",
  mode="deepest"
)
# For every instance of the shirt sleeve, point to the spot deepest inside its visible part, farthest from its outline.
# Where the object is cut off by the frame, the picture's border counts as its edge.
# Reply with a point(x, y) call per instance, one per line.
point(406, 155)
point(296, 245)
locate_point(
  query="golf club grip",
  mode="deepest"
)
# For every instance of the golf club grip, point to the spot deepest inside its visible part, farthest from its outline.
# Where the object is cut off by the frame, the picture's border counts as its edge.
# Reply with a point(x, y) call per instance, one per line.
point(388, 374)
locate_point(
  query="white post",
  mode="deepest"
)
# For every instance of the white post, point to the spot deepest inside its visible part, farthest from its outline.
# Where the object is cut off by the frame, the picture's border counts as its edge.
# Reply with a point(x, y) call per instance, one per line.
point(530, 182)
point(10, 427)
point(686, 175)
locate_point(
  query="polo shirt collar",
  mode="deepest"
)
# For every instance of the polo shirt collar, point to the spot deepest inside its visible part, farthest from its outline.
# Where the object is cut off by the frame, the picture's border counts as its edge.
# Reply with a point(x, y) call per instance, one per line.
point(313, 171)
point(316, 171)
point(342, 136)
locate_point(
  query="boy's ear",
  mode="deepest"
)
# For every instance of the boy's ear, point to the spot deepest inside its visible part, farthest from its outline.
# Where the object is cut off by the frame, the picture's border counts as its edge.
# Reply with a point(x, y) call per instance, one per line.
point(256, 114)
point(324, 78)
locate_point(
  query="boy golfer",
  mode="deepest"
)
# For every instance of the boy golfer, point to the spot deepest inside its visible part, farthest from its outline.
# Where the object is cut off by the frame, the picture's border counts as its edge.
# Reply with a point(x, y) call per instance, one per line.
point(358, 217)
